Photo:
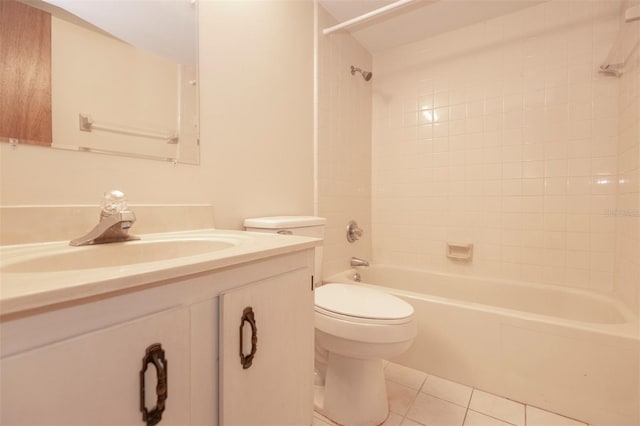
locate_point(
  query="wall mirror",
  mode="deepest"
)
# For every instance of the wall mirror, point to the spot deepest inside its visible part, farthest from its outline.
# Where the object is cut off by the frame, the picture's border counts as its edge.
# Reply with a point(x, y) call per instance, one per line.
point(111, 77)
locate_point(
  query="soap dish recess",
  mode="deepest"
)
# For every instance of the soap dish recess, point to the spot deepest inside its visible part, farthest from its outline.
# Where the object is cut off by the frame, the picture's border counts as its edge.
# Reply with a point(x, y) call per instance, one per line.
point(460, 252)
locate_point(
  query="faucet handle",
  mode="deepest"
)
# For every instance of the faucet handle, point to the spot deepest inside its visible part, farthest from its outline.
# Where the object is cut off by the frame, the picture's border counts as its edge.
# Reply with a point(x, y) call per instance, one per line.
point(113, 202)
point(354, 232)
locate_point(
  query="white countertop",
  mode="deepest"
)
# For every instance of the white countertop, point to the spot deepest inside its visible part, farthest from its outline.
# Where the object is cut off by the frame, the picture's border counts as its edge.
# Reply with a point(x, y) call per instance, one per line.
point(20, 291)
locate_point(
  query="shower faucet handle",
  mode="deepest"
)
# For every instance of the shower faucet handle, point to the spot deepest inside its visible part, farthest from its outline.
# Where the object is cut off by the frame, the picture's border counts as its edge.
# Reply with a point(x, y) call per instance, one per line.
point(354, 232)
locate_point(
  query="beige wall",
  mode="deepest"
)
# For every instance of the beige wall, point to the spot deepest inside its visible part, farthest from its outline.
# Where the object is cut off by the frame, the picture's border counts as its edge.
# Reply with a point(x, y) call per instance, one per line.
point(522, 159)
point(344, 145)
point(256, 65)
point(115, 83)
point(257, 75)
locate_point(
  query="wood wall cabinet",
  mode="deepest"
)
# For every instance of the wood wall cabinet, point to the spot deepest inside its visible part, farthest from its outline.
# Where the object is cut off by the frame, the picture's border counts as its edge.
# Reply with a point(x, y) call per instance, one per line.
point(25, 73)
point(81, 364)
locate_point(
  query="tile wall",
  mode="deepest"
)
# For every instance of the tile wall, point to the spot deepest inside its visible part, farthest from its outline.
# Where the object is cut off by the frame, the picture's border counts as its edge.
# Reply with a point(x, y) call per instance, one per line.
point(344, 145)
point(628, 201)
point(503, 134)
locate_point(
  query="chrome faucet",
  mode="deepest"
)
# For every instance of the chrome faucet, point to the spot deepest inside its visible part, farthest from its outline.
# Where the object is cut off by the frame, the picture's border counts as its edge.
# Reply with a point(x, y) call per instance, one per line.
point(354, 232)
point(114, 224)
point(356, 261)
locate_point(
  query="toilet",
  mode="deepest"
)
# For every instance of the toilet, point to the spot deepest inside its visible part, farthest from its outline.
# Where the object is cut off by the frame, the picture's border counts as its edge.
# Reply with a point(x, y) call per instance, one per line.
point(356, 327)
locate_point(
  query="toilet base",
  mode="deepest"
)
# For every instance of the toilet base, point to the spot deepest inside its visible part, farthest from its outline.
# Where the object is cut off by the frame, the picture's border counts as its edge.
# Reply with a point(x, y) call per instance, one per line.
point(354, 392)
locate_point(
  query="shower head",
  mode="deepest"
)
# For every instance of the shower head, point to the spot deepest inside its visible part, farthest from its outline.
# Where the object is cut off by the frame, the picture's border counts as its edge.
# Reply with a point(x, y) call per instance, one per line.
point(365, 74)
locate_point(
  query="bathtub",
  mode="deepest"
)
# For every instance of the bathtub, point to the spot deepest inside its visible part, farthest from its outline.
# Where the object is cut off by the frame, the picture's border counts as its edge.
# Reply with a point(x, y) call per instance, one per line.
point(566, 350)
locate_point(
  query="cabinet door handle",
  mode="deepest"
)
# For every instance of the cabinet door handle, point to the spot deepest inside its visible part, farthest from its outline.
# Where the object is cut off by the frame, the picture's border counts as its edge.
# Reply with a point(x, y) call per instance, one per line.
point(248, 316)
point(154, 355)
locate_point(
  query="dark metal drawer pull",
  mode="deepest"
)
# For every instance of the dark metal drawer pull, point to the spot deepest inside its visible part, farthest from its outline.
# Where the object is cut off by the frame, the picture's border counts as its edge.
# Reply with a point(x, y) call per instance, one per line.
point(154, 355)
point(248, 316)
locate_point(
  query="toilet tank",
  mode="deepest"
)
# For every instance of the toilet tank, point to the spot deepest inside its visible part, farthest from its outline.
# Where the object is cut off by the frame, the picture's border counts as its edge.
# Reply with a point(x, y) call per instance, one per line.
point(306, 226)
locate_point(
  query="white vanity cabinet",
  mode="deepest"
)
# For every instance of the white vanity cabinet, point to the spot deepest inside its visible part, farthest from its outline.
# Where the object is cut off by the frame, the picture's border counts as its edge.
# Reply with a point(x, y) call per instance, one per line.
point(266, 353)
point(95, 378)
point(80, 363)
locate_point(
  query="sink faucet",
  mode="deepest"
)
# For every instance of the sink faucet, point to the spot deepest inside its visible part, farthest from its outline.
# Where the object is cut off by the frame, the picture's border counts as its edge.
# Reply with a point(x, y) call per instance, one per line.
point(114, 224)
point(356, 261)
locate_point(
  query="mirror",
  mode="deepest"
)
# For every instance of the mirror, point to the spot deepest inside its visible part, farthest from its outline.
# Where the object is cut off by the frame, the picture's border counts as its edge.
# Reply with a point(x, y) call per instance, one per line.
point(122, 80)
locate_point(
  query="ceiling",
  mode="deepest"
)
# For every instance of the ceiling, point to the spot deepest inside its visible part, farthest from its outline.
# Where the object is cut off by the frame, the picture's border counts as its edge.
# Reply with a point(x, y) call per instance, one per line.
point(418, 20)
point(143, 24)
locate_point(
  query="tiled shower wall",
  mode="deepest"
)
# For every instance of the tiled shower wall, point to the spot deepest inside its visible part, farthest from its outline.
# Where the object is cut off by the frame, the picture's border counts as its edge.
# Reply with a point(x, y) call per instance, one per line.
point(344, 145)
point(504, 135)
point(628, 208)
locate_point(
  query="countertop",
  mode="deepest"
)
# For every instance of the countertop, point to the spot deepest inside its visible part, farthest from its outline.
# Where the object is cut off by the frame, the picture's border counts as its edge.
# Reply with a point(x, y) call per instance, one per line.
point(21, 291)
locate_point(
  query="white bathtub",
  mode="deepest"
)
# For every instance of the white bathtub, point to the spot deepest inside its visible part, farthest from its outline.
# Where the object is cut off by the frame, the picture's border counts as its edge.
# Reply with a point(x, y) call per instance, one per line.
point(569, 351)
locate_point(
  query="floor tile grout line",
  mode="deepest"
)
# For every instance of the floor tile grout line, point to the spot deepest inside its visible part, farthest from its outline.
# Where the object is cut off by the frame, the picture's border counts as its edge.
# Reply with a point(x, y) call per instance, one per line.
point(446, 400)
point(485, 414)
point(466, 413)
point(404, 384)
point(415, 396)
point(421, 390)
point(441, 399)
point(470, 398)
point(496, 418)
point(464, 419)
point(552, 412)
point(524, 407)
point(467, 407)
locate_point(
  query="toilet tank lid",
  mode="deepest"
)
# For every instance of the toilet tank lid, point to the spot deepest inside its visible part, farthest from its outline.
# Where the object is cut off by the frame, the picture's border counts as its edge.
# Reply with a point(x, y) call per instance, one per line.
point(276, 222)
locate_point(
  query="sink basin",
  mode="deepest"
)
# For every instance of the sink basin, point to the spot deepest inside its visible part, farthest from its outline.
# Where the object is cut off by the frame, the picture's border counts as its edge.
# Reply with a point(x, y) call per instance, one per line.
point(115, 254)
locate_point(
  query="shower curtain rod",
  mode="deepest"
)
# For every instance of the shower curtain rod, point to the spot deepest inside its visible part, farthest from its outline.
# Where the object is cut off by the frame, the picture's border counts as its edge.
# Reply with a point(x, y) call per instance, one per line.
point(625, 43)
point(368, 15)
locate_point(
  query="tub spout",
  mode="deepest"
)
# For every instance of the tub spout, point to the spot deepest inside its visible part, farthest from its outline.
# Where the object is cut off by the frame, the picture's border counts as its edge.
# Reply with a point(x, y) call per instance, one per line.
point(356, 261)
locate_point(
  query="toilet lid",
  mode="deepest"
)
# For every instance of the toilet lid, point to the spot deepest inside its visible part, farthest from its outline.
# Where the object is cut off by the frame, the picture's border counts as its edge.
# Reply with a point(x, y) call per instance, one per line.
point(362, 302)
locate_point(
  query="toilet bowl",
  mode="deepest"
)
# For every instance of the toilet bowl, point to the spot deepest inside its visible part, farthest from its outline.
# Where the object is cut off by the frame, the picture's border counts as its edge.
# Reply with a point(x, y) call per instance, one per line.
point(356, 327)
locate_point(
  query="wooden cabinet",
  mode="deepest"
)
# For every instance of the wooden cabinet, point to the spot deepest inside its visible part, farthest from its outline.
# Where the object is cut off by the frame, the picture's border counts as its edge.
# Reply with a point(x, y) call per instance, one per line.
point(25, 73)
point(80, 364)
point(275, 387)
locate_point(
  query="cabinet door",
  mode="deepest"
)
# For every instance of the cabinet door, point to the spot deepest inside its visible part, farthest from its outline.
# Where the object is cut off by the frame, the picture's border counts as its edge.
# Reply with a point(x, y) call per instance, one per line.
point(277, 389)
point(204, 362)
point(95, 379)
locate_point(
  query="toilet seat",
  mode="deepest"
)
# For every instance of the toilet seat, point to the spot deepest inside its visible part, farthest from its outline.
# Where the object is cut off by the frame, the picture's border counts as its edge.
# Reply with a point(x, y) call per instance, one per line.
point(361, 314)
point(349, 302)
point(353, 319)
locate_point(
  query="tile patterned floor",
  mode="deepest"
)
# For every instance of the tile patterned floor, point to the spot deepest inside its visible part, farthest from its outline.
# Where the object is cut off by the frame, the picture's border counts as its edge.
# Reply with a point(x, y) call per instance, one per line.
point(417, 399)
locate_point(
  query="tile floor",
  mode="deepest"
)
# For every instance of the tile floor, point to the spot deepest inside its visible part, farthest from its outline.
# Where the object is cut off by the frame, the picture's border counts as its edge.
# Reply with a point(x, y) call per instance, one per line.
point(418, 399)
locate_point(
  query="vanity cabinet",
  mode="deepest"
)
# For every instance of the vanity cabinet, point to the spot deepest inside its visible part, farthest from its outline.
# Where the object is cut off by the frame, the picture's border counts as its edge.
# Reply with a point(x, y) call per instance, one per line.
point(266, 353)
point(95, 378)
point(80, 363)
